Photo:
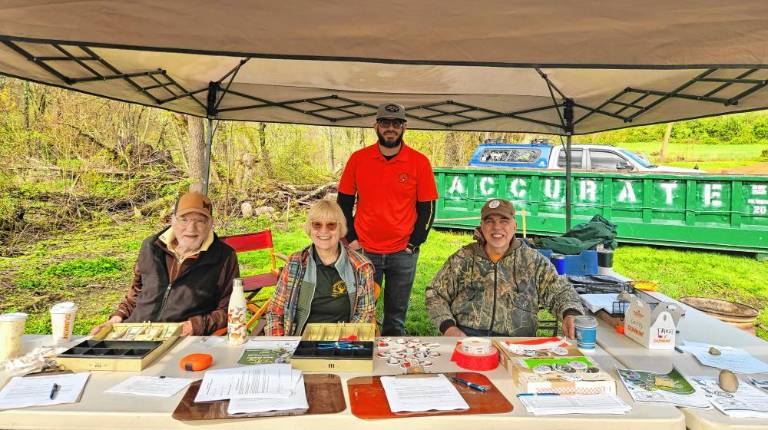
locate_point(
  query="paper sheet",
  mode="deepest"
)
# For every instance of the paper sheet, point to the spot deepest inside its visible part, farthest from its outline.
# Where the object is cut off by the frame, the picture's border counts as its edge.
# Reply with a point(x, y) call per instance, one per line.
point(746, 402)
point(577, 404)
point(23, 392)
point(734, 359)
point(412, 394)
point(296, 401)
point(150, 386)
point(261, 381)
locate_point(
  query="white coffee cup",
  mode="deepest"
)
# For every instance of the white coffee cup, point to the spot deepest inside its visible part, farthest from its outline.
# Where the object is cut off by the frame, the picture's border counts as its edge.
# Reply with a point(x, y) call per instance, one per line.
point(62, 321)
point(11, 331)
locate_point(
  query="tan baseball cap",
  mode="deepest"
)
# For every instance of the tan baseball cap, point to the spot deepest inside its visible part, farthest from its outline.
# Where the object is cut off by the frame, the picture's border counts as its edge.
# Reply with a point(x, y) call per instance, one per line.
point(391, 111)
point(498, 207)
point(194, 202)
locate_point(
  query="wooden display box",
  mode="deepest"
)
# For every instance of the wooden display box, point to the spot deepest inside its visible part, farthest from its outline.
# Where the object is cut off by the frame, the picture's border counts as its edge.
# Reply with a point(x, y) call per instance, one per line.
point(335, 348)
point(594, 381)
point(121, 347)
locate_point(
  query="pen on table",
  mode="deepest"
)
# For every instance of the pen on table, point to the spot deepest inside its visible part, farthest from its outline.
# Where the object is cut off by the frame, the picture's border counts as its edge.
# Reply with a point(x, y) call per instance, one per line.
point(536, 394)
point(54, 390)
point(677, 348)
point(472, 385)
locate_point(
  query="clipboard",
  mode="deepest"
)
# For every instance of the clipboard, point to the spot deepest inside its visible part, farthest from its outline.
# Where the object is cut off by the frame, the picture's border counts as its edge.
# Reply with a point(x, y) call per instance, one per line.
point(324, 396)
point(368, 400)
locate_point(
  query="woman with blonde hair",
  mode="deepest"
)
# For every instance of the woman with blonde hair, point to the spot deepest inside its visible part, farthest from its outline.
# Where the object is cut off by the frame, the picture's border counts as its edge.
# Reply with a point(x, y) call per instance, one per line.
point(323, 283)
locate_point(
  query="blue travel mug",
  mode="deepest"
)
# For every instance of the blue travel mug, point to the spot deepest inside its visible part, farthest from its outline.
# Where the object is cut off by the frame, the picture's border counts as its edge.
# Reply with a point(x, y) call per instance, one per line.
point(586, 332)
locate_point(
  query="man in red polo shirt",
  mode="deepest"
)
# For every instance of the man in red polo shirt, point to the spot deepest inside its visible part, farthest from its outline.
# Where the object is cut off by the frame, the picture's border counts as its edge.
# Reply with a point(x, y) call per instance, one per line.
point(395, 191)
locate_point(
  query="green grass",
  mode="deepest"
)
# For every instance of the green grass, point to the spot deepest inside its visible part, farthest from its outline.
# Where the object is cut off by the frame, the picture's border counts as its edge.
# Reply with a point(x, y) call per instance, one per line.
point(92, 267)
point(698, 152)
point(679, 273)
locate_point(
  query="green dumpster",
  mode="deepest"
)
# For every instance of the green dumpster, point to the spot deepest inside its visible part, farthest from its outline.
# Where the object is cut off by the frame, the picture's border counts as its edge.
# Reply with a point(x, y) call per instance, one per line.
point(725, 212)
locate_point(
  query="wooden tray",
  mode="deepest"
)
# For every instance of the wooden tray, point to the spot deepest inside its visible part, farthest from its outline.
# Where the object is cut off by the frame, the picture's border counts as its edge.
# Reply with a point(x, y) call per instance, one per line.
point(324, 395)
point(369, 401)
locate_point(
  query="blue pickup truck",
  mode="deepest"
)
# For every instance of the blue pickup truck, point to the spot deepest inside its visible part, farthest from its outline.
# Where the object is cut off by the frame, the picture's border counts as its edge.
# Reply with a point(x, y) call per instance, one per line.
point(544, 155)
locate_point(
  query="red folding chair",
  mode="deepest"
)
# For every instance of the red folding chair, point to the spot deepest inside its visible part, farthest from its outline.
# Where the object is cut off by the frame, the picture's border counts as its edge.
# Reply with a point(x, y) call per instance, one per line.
point(253, 284)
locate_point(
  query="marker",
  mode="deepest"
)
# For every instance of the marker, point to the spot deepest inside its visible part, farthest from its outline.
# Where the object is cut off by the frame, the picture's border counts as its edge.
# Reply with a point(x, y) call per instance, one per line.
point(677, 348)
point(472, 385)
point(536, 394)
point(54, 390)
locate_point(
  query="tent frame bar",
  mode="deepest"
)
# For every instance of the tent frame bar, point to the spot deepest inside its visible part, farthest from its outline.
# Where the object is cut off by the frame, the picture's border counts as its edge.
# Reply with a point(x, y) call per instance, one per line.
point(448, 114)
point(82, 60)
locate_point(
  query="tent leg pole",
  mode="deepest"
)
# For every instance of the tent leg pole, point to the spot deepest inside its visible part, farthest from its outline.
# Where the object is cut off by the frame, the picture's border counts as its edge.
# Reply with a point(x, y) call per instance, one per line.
point(207, 157)
point(568, 180)
point(568, 116)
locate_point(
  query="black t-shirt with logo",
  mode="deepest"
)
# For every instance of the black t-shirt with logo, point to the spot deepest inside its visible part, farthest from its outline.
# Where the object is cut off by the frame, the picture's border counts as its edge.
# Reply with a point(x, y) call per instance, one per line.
point(331, 300)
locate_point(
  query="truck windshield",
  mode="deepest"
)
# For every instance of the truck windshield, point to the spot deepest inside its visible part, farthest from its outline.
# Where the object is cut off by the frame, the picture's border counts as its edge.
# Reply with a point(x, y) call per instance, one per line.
point(638, 158)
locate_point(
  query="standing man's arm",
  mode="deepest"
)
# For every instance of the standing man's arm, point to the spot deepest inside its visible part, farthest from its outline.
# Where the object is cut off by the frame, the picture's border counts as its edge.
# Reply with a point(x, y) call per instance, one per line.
point(425, 216)
point(347, 203)
point(347, 195)
point(426, 197)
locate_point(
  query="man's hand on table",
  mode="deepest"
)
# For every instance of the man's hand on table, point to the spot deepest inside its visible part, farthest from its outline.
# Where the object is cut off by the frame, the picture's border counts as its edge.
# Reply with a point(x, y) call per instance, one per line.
point(454, 332)
point(569, 326)
point(111, 320)
point(186, 328)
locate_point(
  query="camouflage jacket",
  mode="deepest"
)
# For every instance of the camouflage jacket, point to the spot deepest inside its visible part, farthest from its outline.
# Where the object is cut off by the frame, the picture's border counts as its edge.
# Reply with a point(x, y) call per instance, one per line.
point(463, 290)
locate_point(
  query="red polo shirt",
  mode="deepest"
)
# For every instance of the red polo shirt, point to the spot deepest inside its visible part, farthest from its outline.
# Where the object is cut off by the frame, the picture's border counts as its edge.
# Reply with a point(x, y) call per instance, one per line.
point(387, 192)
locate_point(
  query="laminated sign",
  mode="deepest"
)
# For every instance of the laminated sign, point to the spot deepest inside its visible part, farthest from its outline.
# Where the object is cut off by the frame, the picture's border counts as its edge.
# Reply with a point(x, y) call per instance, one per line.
point(652, 328)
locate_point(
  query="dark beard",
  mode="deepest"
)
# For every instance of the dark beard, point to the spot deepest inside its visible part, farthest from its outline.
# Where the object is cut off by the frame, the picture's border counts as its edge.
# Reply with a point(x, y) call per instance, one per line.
point(395, 144)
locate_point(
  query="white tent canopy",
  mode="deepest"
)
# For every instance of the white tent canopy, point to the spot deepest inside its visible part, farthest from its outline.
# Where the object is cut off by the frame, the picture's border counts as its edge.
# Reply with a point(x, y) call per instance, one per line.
point(482, 65)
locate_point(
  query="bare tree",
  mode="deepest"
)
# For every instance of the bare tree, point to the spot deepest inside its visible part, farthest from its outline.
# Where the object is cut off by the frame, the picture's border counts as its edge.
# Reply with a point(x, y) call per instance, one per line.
point(331, 156)
point(665, 142)
point(265, 158)
point(196, 149)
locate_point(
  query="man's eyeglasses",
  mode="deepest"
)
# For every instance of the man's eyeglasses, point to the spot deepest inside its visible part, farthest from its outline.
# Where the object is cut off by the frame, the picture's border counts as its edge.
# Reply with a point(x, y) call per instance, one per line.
point(394, 123)
point(317, 225)
point(196, 222)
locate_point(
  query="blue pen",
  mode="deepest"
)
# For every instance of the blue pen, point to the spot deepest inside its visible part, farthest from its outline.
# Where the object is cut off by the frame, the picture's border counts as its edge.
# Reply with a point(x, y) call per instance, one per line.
point(472, 385)
point(536, 394)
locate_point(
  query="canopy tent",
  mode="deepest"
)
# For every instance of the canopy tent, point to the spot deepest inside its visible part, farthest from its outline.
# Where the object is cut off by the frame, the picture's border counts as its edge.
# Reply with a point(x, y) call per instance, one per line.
point(558, 67)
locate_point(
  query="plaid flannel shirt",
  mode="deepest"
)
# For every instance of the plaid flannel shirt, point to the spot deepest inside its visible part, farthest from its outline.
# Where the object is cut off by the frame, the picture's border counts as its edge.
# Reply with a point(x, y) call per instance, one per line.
point(282, 310)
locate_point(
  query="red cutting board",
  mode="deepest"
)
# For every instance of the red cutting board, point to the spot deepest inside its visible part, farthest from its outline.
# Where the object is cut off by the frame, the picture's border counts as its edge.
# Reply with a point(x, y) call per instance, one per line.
point(368, 400)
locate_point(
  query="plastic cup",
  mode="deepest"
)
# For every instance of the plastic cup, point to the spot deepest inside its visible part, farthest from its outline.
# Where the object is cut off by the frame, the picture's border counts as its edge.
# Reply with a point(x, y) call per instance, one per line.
point(11, 332)
point(586, 332)
point(62, 321)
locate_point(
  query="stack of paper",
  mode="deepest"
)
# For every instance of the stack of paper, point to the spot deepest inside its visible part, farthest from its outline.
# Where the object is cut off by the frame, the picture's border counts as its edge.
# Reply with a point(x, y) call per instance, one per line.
point(549, 404)
point(267, 387)
point(746, 402)
point(669, 387)
point(422, 393)
point(23, 392)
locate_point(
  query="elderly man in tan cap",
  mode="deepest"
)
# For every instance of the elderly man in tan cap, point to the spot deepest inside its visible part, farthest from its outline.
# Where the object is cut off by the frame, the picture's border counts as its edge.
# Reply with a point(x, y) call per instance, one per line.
point(183, 274)
point(394, 188)
point(495, 286)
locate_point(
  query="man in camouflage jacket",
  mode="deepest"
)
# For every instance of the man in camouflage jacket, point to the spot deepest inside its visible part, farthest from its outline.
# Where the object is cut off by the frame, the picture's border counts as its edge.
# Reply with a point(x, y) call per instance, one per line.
point(494, 287)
